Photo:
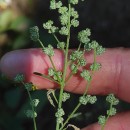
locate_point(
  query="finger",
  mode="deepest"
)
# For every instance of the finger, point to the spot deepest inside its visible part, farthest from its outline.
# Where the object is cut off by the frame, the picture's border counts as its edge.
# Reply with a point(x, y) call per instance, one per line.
point(112, 78)
point(118, 122)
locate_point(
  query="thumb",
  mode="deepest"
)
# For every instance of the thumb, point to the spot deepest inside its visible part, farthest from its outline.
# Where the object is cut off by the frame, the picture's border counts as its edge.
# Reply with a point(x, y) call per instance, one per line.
point(119, 122)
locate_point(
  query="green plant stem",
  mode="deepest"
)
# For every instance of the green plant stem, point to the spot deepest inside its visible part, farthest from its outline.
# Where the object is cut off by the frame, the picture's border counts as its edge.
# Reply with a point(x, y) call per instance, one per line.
point(71, 115)
point(70, 62)
point(75, 109)
point(87, 87)
point(41, 43)
point(103, 126)
point(49, 56)
point(79, 46)
point(52, 63)
point(65, 68)
point(56, 38)
point(57, 41)
point(67, 48)
point(34, 120)
point(30, 98)
point(94, 58)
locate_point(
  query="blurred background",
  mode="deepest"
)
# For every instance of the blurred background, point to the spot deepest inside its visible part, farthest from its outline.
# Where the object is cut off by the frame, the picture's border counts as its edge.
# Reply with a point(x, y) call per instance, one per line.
point(109, 21)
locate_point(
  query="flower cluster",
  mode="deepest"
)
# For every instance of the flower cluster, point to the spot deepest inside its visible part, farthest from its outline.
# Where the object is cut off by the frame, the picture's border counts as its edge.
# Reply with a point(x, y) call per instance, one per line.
point(100, 50)
point(56, 75)
point(49, 26)
point(61, 45)
point(19, 78)
point(75, 55)
point(64, 31)
point(64, 19)
point(28, 86)
point(112, 100)
point(74, 22)
point(86, 75)
point(59, 114)
point(55, 5)
point(101, 120)
point(111, 112)
point(35, 102)
point(34, 33)
point(95, 46)
point(74, 68)
point(49, 50)
point(65, 96)
point(74, 13)
point(31, 114)
point(82, 62)
point(87, 99)
point(83, 36)
point(74, 2)
point(95, 66)
point(63, 10)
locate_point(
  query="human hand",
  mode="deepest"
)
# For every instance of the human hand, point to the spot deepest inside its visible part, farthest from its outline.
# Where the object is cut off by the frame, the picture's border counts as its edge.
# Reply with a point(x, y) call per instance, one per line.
point(112, 78)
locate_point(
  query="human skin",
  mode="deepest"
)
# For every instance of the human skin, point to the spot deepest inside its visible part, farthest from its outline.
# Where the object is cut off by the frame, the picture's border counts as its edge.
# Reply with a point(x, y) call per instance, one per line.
point(112, 78)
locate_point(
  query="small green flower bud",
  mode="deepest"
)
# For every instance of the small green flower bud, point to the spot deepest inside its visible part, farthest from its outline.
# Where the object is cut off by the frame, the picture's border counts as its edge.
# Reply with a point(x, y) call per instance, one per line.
point(92, 99)
point(49, 50)
point(65, 96)
point(53, 29)
point(74, 2)
point(35, 102)
point(58, 4)
point(76, 55)
point(60, 112)
point(100, 50)
point(60, 120)
point(28, 86)
point(64, 19)
point(74, 22)
point(34, 33)
point(30, 114)
point(52, 4)
point(61, 45)
point(94, 44)
point(101, 120)
point(48, 25)
point(86, 75)
point(111, 99)
point(19, 78)
point(57, 75)
point(74, 13)
point(51, 72)
point(83, 100)
point(83, 36)
point(95, 66)
point(111, 112)
point(74, 68)
point(87, 47)
point(82, 62)
point(64, 31)
point(63, 10)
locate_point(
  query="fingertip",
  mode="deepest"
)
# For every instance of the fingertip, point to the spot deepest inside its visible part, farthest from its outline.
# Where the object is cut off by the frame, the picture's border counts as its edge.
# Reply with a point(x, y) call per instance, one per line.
point(28, 61)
